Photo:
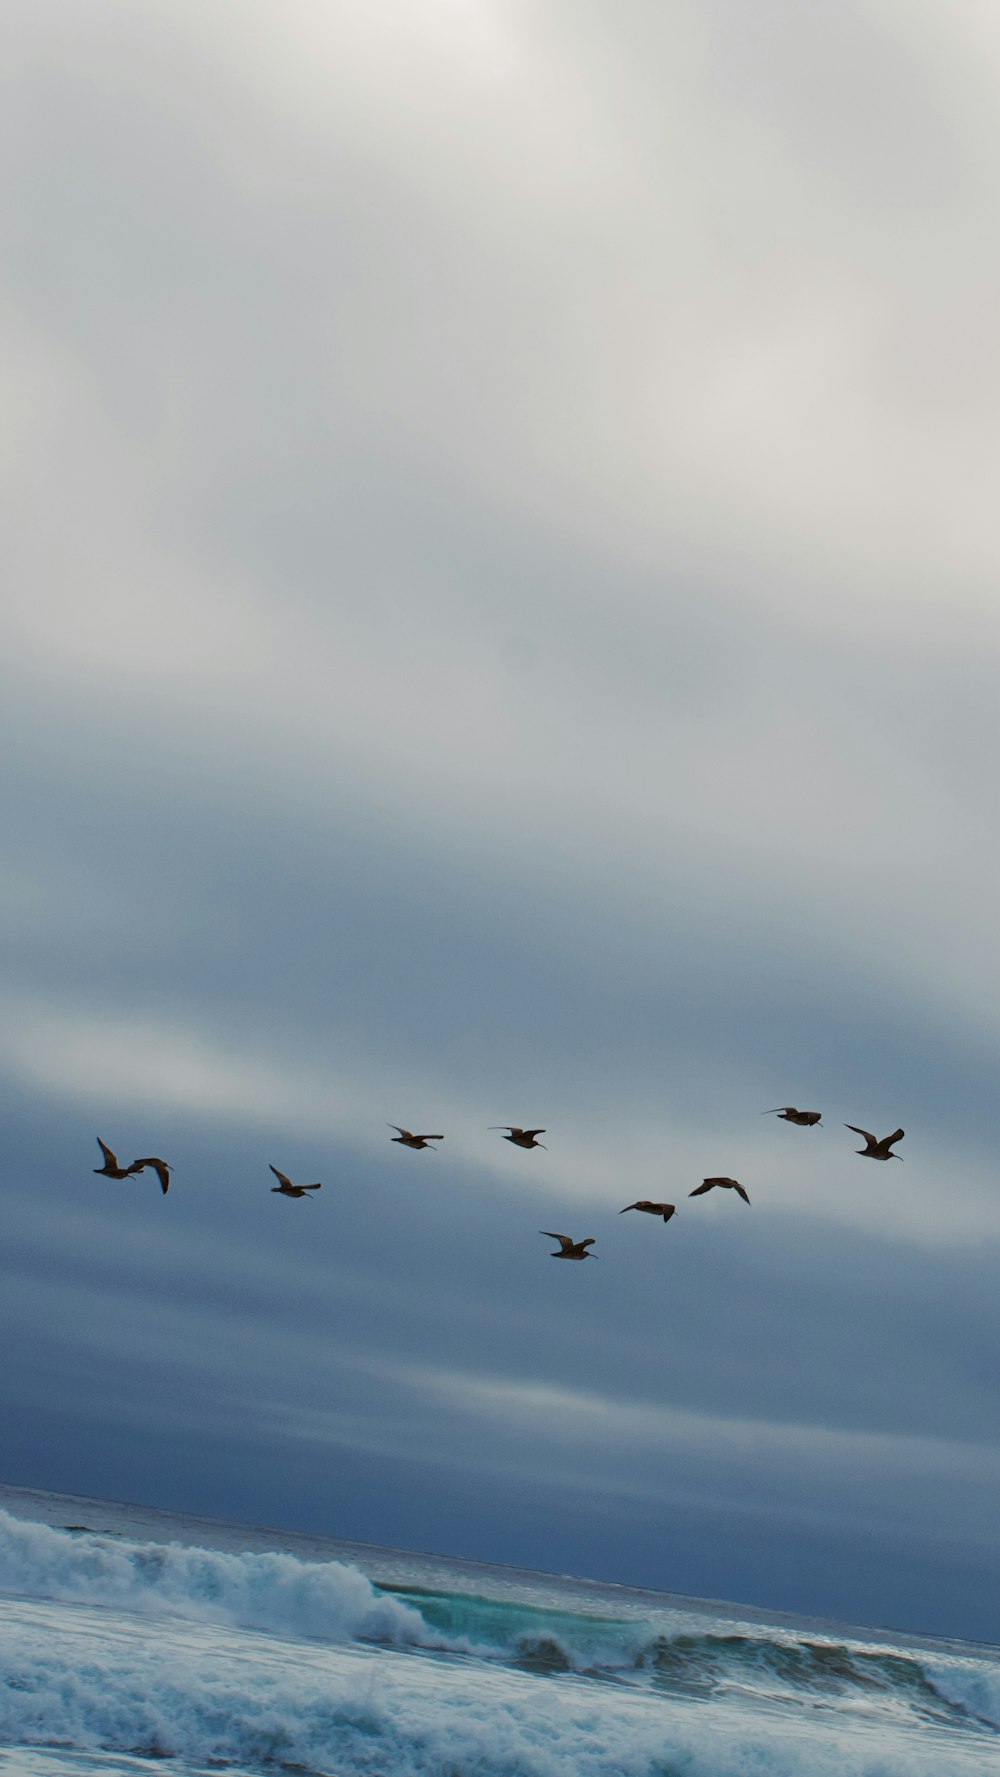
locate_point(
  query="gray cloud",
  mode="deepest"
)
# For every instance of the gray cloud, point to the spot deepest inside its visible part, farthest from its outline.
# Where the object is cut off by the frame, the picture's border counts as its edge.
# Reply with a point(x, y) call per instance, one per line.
point(501, 544)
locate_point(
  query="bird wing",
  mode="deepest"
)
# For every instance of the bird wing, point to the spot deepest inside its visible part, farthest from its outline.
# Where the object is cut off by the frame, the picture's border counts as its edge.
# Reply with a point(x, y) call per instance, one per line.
point(512, 1128)
point(865, 1132)
point(160, 1168)
point(312, 1187)
point(110, 1159)
point(668, 1211)
point(738, 1187)
point(283, 1177)
point(586, 1243)
point(430, 1138)
point(699, 1190)
point(529, 1132)
point(628, 1206)
point(889, 1139)
point(564, 1239)
point(405, 1133)
point(778, 1109)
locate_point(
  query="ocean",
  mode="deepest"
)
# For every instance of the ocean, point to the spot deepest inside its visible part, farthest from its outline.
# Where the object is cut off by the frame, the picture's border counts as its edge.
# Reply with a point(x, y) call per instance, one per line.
point(141, 1642)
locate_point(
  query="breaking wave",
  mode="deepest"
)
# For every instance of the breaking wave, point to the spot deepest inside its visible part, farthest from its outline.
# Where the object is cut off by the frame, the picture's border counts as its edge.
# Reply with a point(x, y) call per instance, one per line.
point(264, 1661)
point(276, 1592)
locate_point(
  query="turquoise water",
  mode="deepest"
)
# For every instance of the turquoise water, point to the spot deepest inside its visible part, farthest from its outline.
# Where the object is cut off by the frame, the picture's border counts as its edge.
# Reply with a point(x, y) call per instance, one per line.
point(135, 1641)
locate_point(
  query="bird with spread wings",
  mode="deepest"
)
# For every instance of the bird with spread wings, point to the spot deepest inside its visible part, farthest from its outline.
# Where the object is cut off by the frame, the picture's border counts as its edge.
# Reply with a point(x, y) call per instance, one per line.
point(522, 1138)
point(569, 1248)
point(726, 1184)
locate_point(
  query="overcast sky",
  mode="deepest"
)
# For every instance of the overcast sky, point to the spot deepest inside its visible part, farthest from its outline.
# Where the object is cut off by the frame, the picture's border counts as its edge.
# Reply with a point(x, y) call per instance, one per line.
point(502, 624)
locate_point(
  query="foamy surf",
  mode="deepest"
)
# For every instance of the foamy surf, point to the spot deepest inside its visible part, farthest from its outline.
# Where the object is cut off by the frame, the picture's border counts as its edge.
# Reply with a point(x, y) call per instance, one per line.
point(117, 1654)
point(331, 1602)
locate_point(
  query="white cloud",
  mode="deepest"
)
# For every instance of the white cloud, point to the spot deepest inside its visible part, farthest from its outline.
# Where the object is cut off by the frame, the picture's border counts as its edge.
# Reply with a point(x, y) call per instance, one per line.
point(621, 316)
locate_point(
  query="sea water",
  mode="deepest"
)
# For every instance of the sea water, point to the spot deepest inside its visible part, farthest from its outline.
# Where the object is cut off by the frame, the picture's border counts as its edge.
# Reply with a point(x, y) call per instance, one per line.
point(135, 1642)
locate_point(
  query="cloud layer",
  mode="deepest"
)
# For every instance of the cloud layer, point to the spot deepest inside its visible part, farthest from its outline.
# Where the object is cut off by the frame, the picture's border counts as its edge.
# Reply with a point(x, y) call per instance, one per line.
point(501, 555)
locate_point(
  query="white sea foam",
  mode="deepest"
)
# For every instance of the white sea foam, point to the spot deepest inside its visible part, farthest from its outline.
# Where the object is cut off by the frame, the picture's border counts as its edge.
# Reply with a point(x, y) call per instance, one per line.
point(94, 1680)
point(970, 1685)
point(116, 1650)
point(326, 1600)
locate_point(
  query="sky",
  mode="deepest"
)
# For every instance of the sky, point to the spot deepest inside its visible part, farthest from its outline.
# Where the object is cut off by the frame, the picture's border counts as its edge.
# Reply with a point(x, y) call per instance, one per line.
point(501, 624)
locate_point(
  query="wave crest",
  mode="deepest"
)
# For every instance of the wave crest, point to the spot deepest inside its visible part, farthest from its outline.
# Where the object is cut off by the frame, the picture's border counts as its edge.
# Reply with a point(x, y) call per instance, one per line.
point(325, 1601)
point(333, 1603)
point(83, 1678)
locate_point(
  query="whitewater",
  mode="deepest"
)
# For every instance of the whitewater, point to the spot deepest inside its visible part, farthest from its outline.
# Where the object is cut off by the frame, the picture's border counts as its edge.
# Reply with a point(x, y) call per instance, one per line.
point(134, 1641)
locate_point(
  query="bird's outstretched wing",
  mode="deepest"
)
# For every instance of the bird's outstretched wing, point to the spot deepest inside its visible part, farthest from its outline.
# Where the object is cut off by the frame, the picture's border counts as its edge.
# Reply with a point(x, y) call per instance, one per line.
point(405, 1133)
point(110, 1159)
point(738, 1187)
point(512, 1128)
point(565, 1240)
point(778, 1110)
point(669, 1209)
point(628, 1206)
point(891, 1138)
point(160, 1168)
point(281, 1177)
point(589, 1242)
point(865, 1132)
point(699, 1190)
point(430, 1138)
point(528, 1132)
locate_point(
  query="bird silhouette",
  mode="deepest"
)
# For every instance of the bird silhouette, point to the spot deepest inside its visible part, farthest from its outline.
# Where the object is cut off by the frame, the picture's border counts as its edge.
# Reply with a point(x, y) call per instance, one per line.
point(522, 1138)
point(413, 1141)
point(568, 1249)
point(287, 1189)
point(666, 1210)
point(789, 1114)
point(160, 1168)
point(876, 1149)
point(726, 1184)
point(112, 1168)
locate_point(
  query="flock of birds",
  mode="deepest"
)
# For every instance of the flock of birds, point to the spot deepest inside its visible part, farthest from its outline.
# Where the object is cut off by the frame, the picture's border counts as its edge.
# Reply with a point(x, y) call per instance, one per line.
point(875, 1148)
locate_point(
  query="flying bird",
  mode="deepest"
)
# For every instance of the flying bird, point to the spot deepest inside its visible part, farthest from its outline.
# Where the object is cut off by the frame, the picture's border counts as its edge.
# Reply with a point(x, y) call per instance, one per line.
point(112, 1169)
point(522, 1138)
point(666, 1210)
point(789, 1114)
point(876, 1150)
point(160, 1168)
point(413, 1141)
point(727, 1184)
point(287, 1189)
point(568, 1249)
